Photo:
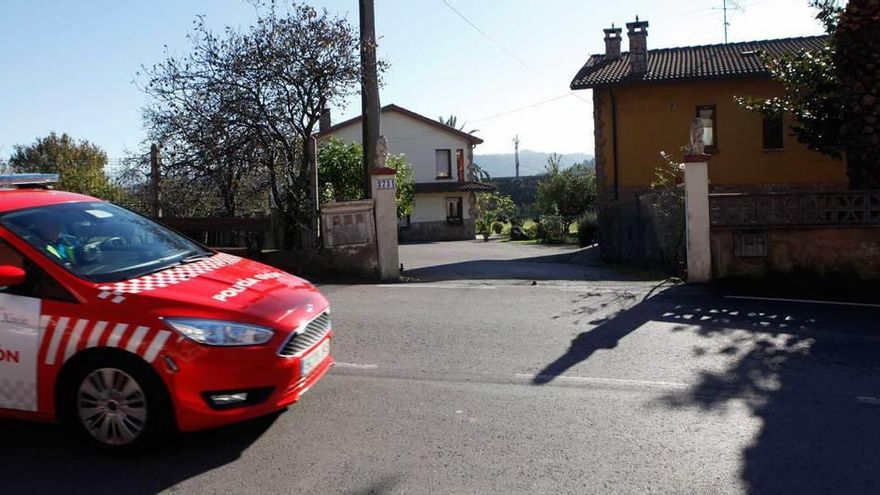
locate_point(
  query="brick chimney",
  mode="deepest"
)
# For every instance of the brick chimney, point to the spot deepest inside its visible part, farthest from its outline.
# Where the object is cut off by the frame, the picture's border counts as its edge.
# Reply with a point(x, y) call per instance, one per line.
point(612, 42)
point(638, 46)
point(325, 121)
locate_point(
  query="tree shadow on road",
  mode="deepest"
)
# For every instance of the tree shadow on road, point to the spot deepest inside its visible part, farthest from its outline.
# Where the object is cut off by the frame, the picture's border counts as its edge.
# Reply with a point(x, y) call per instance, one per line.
point(809, 373)
point(44, 458)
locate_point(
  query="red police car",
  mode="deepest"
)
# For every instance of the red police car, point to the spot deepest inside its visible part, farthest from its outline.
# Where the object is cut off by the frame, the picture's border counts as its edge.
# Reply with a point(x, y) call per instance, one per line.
point(125, 329)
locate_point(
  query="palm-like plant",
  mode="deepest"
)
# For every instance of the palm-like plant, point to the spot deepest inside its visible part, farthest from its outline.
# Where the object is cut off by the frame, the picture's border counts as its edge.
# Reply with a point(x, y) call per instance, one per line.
point(452, 121)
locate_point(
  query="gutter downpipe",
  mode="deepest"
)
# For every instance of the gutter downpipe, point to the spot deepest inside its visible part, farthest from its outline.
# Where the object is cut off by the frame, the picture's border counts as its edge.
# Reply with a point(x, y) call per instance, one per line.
point(614, 142)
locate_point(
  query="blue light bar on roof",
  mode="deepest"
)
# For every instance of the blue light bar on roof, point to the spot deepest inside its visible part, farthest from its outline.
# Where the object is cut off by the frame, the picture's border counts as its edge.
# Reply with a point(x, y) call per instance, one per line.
point(13, 180)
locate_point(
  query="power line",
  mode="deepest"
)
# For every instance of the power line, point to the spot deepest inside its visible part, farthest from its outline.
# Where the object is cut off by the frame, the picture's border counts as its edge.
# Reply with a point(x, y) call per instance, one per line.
point(486, 35)
point(499, 45)
point(537, 104)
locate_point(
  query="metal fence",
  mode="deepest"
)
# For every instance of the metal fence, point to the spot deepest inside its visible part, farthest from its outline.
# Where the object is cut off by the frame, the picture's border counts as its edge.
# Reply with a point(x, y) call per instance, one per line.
point(236, 235)
point(769, 210)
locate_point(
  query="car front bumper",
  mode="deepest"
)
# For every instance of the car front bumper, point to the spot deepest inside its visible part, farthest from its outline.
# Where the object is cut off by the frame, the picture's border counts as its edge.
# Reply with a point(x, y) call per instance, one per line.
point(273, 382)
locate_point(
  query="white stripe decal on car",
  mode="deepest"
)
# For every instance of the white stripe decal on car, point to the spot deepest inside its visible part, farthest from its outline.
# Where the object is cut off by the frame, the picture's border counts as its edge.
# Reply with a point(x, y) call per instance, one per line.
point(73, 341)
point(156, 345)
point(116, 335)
point(96, 334)
point(60, 327)
point(135, 341)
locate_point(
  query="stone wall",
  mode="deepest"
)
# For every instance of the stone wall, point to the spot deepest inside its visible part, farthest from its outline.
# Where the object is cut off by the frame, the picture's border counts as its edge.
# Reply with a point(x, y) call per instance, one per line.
point(438, 231)
point(823, 251)
point(629, 229)
point(352, 261)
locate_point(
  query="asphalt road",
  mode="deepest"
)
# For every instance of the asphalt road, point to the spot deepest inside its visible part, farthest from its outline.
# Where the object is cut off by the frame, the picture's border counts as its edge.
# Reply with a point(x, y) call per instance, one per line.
point(492, 376)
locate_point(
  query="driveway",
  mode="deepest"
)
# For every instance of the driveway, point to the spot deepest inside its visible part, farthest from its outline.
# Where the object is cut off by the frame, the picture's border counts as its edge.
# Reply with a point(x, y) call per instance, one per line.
point(503, 260)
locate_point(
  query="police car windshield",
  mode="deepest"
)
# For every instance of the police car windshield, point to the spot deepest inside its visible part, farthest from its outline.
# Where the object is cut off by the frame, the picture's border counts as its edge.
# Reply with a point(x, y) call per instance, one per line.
point(101, 242)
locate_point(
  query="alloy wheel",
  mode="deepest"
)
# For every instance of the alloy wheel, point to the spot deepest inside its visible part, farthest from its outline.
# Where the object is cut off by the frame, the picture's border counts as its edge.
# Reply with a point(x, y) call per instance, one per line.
point(112, 406)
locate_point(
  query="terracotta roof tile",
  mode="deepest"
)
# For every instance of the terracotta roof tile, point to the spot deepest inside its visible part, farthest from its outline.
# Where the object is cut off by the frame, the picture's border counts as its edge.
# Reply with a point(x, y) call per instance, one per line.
point(691, 63)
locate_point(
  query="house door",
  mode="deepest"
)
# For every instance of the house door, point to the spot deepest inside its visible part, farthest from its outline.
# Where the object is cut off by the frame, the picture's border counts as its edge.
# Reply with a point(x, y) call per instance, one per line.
point(454, 210)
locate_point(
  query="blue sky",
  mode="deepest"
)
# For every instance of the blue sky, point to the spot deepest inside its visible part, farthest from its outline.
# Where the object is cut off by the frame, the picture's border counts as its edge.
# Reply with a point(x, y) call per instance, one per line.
point(70, 66)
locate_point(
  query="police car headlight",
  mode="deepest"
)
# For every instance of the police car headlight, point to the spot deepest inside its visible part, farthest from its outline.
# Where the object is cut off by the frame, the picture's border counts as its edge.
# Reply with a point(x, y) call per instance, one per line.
point(216, 332)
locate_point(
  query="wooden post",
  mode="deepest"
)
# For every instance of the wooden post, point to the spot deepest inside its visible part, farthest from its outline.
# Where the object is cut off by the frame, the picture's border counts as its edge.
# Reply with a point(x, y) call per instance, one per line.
point(155, 193)
point(369, 91)
point(314, 200)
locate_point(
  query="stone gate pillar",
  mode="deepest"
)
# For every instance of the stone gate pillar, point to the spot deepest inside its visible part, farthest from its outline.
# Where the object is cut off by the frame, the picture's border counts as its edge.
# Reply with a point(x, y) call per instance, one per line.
point(384, 189)
point(696, 187)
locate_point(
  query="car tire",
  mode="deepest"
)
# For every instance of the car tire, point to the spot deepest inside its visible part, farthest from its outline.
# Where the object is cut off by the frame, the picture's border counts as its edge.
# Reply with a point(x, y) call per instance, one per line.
point(116, 402)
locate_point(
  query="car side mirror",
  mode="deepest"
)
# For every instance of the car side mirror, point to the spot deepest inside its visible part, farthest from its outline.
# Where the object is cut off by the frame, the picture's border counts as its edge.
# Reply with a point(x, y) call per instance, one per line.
point(11, 276)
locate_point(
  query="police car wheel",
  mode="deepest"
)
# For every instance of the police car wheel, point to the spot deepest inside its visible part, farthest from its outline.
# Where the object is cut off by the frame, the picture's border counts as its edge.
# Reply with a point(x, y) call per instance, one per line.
point(116, 403)
point(111, 406)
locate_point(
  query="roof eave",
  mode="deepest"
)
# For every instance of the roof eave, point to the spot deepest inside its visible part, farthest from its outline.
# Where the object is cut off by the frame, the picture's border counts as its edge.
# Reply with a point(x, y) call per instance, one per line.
point(474, 140)
point(642, 82)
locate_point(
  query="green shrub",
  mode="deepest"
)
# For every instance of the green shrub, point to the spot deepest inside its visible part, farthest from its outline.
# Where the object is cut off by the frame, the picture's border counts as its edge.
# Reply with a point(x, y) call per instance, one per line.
point(540, 232)
point(530, 231)
point(552, 228)
point(588, 227)
point(483, 226)
point(497, 227)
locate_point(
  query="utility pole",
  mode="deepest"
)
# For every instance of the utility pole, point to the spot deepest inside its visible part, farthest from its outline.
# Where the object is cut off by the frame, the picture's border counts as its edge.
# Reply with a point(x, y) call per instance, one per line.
point(516, 152)
point(369, 91)
point(155, 195)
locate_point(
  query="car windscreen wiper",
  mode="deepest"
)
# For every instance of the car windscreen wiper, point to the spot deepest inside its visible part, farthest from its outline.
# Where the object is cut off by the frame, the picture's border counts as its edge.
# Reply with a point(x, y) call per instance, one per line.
point(196, 257)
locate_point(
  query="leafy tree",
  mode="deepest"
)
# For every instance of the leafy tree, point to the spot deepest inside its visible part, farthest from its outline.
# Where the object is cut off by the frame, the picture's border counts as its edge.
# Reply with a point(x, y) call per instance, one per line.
point(406, 184)
point(80, 164)
point(812, 91)
point(341, 172)
point(254, 97)
point(495, 207)
point(832, 92)
point(567, 193)
point(491, 208)
point(857, 61)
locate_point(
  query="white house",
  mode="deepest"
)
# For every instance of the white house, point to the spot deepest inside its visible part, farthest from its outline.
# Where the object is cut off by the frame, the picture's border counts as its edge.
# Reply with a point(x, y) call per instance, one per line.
point(442, 161)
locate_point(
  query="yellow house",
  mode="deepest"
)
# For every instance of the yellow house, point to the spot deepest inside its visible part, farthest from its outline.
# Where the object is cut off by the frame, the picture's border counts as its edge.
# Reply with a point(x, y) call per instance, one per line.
point(645, 100)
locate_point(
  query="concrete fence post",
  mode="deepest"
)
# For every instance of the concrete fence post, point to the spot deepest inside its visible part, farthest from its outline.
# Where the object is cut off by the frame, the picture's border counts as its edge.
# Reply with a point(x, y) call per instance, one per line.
point(696, 186)
point(384, 193)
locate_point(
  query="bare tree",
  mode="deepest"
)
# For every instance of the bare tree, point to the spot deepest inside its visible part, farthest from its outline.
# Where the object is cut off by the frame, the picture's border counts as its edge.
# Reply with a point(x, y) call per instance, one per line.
point(246, 102)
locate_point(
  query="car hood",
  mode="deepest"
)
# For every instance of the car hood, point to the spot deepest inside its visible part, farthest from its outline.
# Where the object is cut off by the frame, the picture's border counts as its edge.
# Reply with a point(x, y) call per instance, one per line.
point(222, 286)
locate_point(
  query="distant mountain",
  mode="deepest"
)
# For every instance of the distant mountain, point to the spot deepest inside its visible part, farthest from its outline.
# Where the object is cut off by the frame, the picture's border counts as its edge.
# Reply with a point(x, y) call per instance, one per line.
point(530, 162)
